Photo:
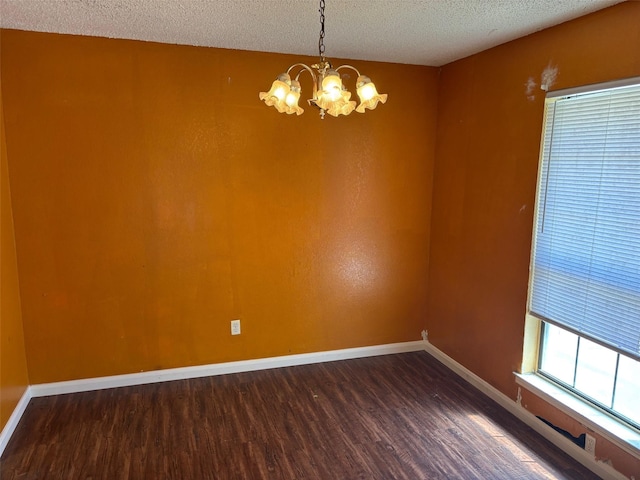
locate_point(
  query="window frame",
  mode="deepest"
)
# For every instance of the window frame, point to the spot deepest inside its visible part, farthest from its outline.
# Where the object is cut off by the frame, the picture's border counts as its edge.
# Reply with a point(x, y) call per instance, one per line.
point(618, 430)
point(633, 423)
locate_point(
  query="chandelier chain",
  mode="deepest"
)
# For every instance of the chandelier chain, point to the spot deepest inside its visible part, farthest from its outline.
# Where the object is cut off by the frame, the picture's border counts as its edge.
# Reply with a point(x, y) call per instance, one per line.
point(321, 40)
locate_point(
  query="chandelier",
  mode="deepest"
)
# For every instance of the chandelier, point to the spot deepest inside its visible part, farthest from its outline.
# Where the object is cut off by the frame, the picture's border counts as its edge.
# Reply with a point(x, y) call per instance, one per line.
point(329, 94)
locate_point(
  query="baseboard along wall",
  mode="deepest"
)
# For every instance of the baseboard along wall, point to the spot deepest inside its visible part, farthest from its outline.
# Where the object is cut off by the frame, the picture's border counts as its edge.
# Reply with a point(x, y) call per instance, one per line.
point(601, 469)
point(14, 419)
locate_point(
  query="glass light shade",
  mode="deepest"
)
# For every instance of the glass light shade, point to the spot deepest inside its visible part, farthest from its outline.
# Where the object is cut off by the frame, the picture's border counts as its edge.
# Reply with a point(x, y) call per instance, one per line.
point(278, 93)
point(341, 107)
point(323, 100)
point(369, 96)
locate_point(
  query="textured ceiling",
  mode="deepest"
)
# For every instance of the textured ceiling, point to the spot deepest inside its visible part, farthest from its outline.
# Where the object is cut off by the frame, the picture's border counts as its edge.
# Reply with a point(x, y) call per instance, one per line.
point(423, 32)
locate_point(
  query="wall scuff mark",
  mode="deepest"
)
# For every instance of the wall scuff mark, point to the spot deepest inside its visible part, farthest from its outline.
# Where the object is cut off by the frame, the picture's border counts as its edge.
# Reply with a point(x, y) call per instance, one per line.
point(530, 85)
point(548, 77)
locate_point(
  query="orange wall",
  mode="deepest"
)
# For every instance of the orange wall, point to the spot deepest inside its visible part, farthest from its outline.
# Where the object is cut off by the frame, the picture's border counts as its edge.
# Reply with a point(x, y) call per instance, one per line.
point(156, 199)
point(13, 364)
point(489, 130)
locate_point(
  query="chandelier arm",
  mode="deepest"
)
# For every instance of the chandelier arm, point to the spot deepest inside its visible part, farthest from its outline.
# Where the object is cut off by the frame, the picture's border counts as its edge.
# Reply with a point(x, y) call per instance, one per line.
point(348, 66)
point(306, 68)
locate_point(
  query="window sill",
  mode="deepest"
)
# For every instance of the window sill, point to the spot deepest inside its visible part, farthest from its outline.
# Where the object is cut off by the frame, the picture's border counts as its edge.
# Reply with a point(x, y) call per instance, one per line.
point(621, 435)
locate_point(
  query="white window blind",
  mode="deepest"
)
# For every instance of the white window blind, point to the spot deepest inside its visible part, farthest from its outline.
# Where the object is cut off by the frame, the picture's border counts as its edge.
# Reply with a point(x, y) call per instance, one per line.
point(586, 256)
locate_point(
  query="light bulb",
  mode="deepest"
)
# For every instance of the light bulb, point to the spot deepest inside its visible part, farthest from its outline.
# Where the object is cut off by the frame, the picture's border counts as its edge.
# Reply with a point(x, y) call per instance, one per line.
point(292, 98)
point(367, 92)
point(331, 81)
point(280, 92)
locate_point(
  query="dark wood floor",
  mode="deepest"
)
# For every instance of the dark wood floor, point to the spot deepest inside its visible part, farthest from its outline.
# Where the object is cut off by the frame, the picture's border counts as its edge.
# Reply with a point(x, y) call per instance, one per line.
point(391, 417)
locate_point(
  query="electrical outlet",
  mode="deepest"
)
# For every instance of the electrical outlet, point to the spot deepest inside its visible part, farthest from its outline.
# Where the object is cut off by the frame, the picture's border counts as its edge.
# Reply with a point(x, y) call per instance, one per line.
point(235, 327)
point(590, 444)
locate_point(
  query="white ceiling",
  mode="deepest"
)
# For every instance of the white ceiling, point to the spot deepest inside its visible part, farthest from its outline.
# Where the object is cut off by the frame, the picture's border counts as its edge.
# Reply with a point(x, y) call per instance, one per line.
point(422, 32)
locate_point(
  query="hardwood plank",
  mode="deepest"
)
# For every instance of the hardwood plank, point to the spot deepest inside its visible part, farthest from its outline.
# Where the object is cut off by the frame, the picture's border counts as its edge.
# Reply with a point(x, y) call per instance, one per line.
point(400, 416)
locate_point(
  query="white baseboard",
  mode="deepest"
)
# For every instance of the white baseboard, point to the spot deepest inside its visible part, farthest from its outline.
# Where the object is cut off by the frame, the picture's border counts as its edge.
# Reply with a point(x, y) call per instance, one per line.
point(599, 468)
point(155, 376)
point(15, 417)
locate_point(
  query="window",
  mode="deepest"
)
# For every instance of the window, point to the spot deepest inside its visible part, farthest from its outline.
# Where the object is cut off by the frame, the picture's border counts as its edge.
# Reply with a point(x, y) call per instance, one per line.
point(585, 267)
